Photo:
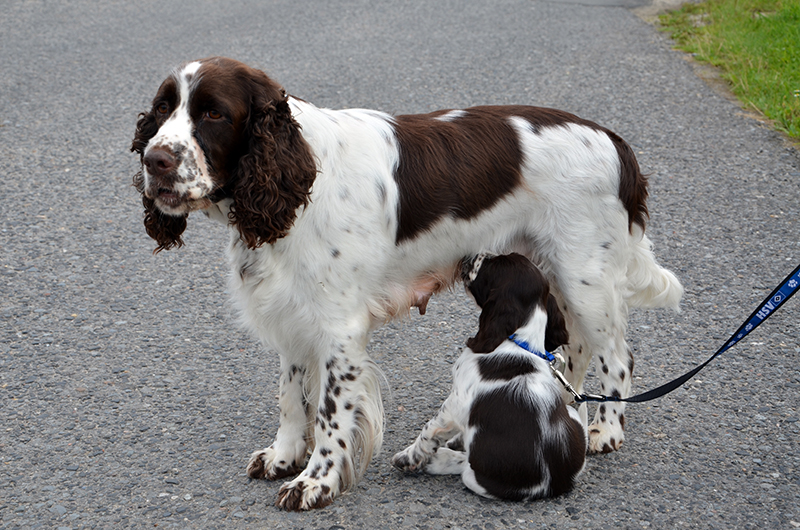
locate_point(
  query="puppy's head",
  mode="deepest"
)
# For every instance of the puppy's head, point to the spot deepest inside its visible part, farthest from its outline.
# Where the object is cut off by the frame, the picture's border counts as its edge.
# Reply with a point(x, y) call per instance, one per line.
point(508, 289)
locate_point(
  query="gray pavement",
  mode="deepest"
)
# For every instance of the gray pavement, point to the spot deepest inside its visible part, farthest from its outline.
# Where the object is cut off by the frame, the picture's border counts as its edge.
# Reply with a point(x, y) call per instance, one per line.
point(129, 399)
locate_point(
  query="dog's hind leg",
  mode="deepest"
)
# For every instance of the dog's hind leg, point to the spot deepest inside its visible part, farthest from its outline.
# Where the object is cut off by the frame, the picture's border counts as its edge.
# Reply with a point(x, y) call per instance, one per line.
point(599, 332)
point(596, 313)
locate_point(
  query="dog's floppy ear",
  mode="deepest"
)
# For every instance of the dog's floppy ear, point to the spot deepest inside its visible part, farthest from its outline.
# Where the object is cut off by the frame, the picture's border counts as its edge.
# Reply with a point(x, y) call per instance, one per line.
point(165, 229)
point(275, 175)
point(499, 319)
point(556, 333)
point(146, 128)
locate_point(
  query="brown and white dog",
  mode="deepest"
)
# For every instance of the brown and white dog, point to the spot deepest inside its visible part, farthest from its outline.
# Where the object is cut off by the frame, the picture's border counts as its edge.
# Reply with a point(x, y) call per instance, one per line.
point(343, 219)
point(505, 427)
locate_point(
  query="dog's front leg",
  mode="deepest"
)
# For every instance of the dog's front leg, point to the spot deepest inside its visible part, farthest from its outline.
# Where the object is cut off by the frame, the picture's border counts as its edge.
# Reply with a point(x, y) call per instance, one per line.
point(347, 430)
point(287, 454)
point(434, 435)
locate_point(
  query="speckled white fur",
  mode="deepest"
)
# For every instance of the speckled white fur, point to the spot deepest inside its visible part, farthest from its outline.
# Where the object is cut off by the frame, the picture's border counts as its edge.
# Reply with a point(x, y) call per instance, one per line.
point(177, 135)
point(315, 295)
point(538, 392)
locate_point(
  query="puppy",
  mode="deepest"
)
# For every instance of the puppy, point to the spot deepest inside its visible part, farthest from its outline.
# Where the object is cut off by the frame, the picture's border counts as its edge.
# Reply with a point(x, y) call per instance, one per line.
point(505, 428)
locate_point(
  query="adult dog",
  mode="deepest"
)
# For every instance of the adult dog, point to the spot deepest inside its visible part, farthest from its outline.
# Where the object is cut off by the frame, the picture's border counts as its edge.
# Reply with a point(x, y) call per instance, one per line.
point(504, 427)
point(343, 219)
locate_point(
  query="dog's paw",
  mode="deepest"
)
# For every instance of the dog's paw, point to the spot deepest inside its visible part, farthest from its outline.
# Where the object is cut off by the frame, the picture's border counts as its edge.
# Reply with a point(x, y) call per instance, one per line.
point(268, 464)
point(306, 493)
point(446, 461)
point(456, 443)
point(409, 459)
point(605, 438)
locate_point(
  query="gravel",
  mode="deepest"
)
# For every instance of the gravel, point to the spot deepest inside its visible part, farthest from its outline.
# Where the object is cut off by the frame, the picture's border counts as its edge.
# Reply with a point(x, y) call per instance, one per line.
point(131, 400)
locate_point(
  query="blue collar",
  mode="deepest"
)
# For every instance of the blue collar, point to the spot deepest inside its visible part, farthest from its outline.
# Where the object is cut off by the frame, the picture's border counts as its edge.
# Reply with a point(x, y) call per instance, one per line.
point(547, 356)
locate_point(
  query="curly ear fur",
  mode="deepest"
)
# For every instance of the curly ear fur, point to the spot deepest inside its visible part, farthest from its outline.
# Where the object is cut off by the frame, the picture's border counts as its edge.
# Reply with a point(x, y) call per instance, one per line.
point(165, 229)
point(146, 128)
point(274, 178)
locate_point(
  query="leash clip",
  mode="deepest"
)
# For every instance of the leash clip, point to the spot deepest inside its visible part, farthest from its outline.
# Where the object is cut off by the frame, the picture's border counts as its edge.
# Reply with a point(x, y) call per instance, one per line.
point(557, 367)
point(558, 362)
point(583, 398)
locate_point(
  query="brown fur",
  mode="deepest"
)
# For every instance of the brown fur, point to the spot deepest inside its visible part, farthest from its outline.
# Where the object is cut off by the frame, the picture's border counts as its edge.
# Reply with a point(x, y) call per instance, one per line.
point(470, 166)
point(507, 288)
point(258, 157)
point(467, 168)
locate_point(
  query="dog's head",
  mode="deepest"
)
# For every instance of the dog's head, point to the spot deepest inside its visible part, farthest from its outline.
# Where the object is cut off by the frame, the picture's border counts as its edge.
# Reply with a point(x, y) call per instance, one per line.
point(220, 129)
point(508, 289)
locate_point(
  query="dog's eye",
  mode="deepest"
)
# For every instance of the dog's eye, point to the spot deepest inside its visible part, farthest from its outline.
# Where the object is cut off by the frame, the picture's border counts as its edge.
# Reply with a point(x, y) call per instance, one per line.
point(213, 115)
point(162, 108)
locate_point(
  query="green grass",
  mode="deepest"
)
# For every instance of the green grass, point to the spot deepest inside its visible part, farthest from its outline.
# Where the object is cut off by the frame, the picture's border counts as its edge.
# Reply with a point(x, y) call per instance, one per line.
point(755, 44)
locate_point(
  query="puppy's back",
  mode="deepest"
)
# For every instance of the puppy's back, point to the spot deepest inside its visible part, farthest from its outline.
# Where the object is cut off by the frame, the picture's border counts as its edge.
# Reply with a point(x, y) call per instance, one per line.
point(524, 448)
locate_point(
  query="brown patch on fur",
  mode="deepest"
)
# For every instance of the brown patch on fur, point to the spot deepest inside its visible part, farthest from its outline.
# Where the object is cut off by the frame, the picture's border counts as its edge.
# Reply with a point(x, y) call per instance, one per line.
point(496, 368)
point(463, 166)
point(257, 470)
point(275, 174)
point(290, 497)
point(632, 184)
point(556, 333)
point(453, 168)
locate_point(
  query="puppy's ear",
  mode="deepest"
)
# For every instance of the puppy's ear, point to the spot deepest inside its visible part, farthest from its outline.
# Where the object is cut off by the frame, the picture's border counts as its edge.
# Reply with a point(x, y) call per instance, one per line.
point(479, 284)
point(165, 229)
point(499, 319)
point(275, 176)
point(556, 333)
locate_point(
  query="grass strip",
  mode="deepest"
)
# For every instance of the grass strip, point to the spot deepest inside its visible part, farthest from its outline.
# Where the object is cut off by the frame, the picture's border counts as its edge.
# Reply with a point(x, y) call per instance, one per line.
point(755, 44)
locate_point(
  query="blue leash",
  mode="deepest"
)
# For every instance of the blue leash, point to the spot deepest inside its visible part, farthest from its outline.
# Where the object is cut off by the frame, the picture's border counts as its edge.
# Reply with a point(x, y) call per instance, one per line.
point(767, 308)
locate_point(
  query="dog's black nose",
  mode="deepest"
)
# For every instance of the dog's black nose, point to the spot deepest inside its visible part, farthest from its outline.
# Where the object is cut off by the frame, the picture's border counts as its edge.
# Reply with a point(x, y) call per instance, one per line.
point(159, 162)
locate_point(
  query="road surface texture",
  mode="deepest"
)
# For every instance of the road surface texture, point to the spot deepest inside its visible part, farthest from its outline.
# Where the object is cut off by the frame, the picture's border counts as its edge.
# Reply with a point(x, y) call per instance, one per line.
point(130, 399)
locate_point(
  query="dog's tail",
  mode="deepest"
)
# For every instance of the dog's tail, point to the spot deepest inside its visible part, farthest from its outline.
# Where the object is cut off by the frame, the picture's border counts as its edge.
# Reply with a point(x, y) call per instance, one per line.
point(650, 285)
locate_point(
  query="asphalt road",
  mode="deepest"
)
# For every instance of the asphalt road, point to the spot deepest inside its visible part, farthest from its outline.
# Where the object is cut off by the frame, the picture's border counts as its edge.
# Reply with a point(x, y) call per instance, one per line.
point(128, 397)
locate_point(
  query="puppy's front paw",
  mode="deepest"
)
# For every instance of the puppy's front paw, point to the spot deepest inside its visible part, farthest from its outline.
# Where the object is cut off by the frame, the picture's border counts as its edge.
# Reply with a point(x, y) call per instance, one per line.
point(409, 459)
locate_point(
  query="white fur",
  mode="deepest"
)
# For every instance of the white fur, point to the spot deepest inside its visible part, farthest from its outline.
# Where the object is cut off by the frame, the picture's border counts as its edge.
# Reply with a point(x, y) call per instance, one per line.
point(194, 181)
point(539, 392)
point(316, 294)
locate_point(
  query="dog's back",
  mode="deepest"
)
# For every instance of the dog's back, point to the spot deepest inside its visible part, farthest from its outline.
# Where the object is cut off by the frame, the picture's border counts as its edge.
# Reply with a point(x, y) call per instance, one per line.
point(522, 441)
